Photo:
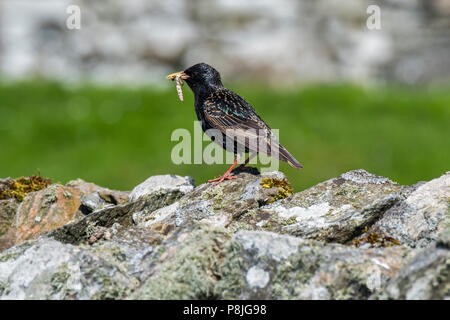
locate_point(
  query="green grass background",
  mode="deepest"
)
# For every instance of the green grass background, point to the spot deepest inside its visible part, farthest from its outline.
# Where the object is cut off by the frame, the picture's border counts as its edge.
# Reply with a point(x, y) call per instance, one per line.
point(117, 136)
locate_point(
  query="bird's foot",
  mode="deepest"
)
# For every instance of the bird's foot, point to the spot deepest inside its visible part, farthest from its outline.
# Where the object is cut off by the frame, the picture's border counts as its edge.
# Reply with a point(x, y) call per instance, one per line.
point(222, 178)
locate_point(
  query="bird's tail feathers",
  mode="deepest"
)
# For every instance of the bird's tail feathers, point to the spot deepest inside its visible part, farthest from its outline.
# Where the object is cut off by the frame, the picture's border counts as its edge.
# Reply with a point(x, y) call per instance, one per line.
point(285, 156)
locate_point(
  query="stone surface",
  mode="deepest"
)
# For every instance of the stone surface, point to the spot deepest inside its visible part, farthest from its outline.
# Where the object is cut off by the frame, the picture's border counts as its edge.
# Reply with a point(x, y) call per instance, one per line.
point(154, 193)
point(46, 210)
point(8, 230)
point(424, 277)
point(421, 217)
point(95, 197)
point(167, 184)
point(39, 212)
point(248, 238)
point(51, 208)
point(336, 210)
point(49, 269)
point(264, 265)
point(221, 205)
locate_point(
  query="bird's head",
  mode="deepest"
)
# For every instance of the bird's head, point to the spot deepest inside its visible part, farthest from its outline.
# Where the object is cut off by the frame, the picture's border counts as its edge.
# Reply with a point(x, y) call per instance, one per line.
point(201, 77)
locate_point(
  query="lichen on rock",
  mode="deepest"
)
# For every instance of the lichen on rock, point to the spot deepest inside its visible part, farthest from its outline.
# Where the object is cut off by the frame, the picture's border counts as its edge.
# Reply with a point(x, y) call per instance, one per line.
point(357, 236)
point(18, 188)
point(284, 187)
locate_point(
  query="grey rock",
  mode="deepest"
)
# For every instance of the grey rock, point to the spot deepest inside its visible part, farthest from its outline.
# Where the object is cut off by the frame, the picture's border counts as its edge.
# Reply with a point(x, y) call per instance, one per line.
point(257, 277)
point(265, 265)
point(188, 265)
point(156, 192)
point(248, 238)
point(48, 269)
point(92, 202)
point(51, 270)
point(335, 210)
point(419, 219)
point(220, 205)
point(425, 277)
point(82, 230)
point(172, 184)
point(50, 208)
point(94, 197)
point(148, 217)
point(8, 209)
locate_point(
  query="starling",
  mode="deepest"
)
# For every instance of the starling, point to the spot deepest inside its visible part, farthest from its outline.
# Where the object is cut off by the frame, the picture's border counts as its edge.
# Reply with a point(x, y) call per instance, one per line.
point(227, 112)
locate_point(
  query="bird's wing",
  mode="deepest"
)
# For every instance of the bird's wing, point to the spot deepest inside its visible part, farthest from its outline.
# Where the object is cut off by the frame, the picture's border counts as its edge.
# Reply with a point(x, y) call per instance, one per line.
point(235, 118)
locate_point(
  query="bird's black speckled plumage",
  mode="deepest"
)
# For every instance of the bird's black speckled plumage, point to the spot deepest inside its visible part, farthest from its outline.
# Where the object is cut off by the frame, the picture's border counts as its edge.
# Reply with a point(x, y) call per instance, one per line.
point(219, 108)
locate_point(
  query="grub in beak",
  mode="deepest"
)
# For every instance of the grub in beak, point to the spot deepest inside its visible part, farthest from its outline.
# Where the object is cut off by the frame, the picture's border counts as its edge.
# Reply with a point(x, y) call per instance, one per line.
point(180, 75)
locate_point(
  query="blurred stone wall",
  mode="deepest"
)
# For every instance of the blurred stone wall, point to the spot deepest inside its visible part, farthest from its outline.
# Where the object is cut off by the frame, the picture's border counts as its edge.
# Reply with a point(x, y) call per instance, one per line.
point(262, 40)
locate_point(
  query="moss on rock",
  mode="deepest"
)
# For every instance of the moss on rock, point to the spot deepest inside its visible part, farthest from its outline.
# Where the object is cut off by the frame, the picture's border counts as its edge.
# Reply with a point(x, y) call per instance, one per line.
point(376, 240)
point(18, 188)
point(284, 188)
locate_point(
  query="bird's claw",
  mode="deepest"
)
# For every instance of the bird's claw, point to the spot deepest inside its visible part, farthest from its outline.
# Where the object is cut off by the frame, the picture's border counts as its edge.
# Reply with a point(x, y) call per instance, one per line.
point(221, 179)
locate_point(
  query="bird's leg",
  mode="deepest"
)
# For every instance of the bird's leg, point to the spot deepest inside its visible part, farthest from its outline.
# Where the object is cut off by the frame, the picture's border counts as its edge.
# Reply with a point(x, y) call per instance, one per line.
point(250, 157)
point(226, 175)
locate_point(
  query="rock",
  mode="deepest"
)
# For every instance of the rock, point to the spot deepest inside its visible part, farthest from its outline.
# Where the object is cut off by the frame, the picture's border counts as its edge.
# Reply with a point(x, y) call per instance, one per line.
point(170, 185)
point(50, 207)
point(39, 212)
point(196, 262)
point(128, 262)
point(49, 269)
point(335, 210)
point(425, 277)
point(101, 199)
point(222, 205)
point(46, 210)
point(265, 265)
point(154, 193)
point(188, 265)
point(247, 238)
point(81, 230)
point(8, 229)
point(419, 219)
point(95, 197)
point(92, 202)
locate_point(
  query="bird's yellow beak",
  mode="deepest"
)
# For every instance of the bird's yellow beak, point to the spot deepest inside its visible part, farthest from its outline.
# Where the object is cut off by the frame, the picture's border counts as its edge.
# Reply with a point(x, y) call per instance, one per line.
point(181, 74)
